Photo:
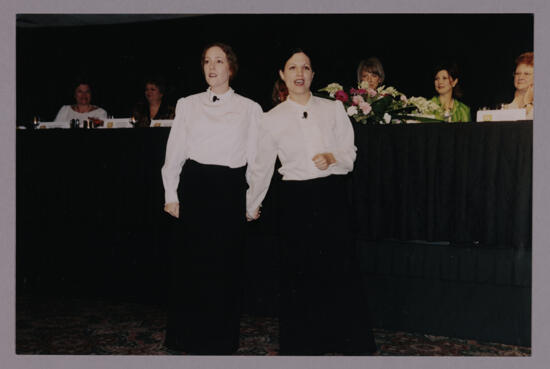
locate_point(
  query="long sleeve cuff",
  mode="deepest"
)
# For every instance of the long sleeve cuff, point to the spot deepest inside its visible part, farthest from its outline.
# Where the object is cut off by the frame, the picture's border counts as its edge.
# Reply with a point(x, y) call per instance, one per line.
point(344, 160)
point(171, 196)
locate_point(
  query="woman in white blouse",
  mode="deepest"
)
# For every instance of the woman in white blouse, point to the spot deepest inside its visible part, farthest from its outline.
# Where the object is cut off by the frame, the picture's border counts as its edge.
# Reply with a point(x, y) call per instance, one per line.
point(323, 308)
point(83, 109)
point(213, 137)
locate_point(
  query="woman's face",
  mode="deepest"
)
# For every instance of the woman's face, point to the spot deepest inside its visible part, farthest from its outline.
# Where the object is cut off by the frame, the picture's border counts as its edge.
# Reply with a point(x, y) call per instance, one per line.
point(83, 95)
point(216, 69)
point(444, 83)
point(152, 93)
point(523, 77)
point(373, 79)
point(297, 74)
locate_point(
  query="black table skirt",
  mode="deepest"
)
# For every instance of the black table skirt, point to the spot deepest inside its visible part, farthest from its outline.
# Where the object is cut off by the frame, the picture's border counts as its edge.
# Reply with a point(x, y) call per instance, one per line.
point(435, 182)
point(462, 182)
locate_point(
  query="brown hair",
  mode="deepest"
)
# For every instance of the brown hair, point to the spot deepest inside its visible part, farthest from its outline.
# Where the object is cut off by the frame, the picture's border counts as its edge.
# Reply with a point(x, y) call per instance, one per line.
point(229, 53)
point(280, 92)
point(526, 58)
point(371, 65)
point(157, 81)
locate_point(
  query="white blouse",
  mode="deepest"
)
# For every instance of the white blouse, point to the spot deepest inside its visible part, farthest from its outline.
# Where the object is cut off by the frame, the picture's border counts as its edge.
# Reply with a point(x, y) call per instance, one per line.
point(296, 133)
point(221, 132)
point(66, 113)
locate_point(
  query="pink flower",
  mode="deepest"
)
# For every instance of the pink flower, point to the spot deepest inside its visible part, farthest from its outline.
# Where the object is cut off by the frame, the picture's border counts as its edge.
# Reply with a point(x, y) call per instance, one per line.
point(403, 98)
point(341, 95)
point(360, 91)
point(365, 107)
point(357, 100)
point(372, 92)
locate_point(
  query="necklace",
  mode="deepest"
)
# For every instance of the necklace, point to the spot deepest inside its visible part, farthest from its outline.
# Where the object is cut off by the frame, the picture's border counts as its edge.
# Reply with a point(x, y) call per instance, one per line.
point(449, 106)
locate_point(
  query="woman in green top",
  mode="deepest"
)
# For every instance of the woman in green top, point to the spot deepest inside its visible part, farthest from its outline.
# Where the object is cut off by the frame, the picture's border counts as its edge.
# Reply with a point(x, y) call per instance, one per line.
point(445, 82)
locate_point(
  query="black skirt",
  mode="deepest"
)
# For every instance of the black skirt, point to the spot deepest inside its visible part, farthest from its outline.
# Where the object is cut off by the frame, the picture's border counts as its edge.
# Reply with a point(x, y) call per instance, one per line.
point(205, 297)
point(323, 304)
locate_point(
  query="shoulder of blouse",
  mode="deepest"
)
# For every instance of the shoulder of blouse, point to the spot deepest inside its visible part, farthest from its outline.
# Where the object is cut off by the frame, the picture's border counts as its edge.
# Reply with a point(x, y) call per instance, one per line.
point(65, 109)
point(192, 98)
point(335, 105)
point(321, 99)
point(182, 100)
point(277, 109)
point(246, 101)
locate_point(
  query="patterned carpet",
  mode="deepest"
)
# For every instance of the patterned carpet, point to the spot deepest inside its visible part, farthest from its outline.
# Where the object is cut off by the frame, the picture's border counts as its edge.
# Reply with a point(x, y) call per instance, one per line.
point(83, 327)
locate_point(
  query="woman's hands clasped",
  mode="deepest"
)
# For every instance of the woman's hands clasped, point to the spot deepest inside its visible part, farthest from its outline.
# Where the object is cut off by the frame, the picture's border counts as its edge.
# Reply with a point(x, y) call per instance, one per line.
point(324, 160)
point(173, 208)
point(256, 215)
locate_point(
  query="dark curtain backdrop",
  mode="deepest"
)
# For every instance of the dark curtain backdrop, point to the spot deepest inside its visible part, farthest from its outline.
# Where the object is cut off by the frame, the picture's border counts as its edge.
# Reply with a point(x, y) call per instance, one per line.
point(117, 57)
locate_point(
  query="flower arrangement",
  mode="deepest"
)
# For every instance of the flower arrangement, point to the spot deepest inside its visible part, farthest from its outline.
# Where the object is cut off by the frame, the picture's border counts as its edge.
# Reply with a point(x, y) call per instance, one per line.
point(383, 105)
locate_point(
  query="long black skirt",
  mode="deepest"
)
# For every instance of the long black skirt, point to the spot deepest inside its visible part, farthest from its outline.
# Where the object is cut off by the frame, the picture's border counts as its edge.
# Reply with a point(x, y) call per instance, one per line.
point(323, 304)
point(204, 306)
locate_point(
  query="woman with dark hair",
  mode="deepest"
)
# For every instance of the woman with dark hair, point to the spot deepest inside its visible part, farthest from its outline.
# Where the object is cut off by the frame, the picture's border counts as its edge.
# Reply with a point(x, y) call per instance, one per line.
point(371, 71)
point(154, 106)
point(524, 80)
point(213, 137)
point(83, 109)
point(446, 85)
point(323, 307)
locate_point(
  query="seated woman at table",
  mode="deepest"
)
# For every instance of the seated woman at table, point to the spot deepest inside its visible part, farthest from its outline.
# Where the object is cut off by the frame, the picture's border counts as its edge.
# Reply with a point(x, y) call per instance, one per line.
point(371, 71)
point(524, 84)
point(205, 175)
point(83, 108)
point(322, 306)
point(154, 105)
point(446, 85)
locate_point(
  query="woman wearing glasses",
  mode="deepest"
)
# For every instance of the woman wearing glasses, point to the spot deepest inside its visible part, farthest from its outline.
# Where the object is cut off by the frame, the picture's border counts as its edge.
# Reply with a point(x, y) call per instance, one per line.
point(524, 82)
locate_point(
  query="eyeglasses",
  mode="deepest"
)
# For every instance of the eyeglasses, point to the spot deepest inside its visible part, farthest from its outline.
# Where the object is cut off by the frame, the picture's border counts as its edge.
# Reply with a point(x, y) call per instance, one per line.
point(525, 74)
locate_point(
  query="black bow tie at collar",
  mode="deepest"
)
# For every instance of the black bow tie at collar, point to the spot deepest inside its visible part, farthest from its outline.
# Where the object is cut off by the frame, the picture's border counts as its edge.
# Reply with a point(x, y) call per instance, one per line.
point(215, 98)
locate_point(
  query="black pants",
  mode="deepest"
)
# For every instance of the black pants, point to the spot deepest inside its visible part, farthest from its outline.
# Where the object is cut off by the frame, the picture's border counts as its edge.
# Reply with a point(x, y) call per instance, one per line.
point(323, 306)
point(206, 287)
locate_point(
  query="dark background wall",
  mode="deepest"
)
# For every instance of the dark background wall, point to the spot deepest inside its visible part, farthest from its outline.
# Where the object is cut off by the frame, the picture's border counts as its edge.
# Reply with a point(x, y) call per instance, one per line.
point(117, 57)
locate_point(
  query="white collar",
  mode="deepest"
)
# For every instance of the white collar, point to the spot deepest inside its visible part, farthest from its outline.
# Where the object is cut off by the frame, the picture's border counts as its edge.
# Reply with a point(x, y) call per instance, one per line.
point(300, 106)
point(221, 98)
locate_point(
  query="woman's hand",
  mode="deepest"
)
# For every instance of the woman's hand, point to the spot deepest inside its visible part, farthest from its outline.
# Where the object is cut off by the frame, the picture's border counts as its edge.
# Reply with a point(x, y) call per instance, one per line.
point(324, 160)
point(173, 208)
point(256, 215)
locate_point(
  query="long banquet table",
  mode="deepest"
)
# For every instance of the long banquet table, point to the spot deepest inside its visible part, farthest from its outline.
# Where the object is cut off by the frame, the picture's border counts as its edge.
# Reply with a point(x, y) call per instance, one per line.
point(89, 207)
